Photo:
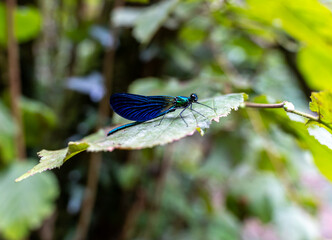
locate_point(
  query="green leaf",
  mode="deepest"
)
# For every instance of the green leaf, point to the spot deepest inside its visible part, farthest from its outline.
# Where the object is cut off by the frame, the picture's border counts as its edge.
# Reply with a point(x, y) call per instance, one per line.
point(322, 130)
point(152, 19)
point(27, 22)
point(306, 20)
point(322, 155)
point(25, 205)
point(321, 133)
point(53, 159)
point(316, 63)
point(321, 104)
point(144, 135)
point(146, 21)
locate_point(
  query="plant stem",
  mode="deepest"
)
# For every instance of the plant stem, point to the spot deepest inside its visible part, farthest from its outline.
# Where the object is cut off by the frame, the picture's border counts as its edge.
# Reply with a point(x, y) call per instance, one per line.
point(288, 107)
point(306, 115)
point(14, 80)
point(262, 105)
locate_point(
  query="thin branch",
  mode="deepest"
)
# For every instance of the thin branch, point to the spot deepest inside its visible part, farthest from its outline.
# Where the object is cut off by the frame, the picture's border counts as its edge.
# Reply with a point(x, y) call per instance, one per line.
point(306, 115)
point(14, 80)
point(262, 105)
point(288, 107)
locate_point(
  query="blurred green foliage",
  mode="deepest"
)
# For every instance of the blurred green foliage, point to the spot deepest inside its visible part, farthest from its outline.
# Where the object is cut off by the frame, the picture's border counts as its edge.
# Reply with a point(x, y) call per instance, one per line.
point(7, 129)
point(24, 206)
point(27, 22)
point(257, 174)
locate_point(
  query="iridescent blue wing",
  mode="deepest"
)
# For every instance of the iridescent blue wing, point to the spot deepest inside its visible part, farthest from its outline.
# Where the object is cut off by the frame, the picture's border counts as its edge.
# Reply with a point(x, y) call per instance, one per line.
point(141, 108)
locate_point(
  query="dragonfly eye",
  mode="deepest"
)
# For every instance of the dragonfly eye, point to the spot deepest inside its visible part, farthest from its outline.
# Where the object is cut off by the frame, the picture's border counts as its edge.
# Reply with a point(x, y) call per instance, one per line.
point(194, 97)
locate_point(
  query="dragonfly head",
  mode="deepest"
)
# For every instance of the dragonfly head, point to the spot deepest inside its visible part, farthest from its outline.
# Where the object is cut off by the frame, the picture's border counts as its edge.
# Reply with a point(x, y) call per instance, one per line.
point(193, 97)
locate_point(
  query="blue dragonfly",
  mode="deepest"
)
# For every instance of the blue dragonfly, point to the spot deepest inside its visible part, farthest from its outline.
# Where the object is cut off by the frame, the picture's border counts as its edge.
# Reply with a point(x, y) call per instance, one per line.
point(140, 108)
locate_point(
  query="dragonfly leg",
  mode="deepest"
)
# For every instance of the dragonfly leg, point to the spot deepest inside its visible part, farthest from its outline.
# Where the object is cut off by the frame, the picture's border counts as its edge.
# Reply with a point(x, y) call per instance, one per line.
point(170, 110)
point(161, 120)
point(214, 109)
point(181, 115)
point(191, 108)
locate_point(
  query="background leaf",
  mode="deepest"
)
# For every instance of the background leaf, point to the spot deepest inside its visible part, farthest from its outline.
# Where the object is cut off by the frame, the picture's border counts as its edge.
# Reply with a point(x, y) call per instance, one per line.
point(27, 23)
point(24, 205)
point(152, 19)
point(314, 63)
point(320, 103)
point(322, 130)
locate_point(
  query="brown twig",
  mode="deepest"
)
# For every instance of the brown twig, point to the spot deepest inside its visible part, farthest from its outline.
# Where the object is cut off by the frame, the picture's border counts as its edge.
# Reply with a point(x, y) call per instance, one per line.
point(14, 80)
point(46, 232)
point(288, 107)
point(262, 105)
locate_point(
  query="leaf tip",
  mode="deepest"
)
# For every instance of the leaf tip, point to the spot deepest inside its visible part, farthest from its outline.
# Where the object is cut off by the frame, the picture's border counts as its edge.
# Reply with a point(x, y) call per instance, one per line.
point(22, 177)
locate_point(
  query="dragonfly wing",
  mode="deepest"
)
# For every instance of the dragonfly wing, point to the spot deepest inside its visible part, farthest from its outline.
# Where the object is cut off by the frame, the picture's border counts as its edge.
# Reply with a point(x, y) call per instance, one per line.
point(140, 108)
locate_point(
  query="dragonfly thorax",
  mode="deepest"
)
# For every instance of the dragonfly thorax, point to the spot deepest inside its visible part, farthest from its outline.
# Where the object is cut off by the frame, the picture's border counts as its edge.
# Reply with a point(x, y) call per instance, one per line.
point(181, 102)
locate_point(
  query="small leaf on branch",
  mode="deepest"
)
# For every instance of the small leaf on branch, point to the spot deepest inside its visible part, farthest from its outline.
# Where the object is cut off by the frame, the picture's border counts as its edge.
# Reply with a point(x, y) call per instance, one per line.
point(321, 104)
point(322, 129)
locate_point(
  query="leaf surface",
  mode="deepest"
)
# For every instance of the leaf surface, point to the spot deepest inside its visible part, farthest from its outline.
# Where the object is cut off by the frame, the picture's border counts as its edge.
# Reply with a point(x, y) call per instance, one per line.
point(145, 135)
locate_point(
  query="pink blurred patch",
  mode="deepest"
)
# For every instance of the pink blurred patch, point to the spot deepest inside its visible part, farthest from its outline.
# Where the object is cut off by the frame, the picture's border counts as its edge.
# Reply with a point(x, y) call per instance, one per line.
point(325, 219)
point(110, 149)
point(317, 184)
point(322, 189)
point(254, 229)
